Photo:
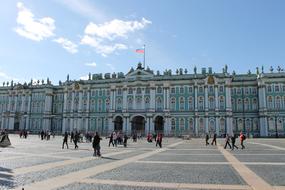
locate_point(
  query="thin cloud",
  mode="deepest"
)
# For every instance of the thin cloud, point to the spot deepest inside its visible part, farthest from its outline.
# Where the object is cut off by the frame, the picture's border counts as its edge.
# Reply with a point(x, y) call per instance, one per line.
point(92, 64)
point(67, 45)
point(32, 28)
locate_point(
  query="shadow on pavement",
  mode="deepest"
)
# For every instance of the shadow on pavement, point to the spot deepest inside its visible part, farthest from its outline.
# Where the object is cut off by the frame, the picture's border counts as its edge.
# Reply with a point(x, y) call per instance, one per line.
point(6, 178)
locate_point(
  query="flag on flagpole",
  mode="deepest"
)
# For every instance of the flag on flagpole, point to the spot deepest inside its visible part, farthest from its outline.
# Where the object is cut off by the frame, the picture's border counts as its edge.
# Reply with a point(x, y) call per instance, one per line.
point(140, 50)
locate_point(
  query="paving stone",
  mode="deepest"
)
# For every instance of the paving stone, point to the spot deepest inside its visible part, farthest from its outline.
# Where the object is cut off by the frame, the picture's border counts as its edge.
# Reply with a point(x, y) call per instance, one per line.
point(260, 158)
point(187, 158)
point(216, 174)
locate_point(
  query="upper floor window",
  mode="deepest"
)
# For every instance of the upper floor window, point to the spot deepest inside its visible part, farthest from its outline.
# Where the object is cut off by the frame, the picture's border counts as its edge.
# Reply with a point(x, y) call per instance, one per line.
point(100, 92)
point(190, 103)
point(173, 90)
point(269, 102)
point(277, 88)
point(246, 90)
point(254, 104)
point(269, 88)
point(254, 90)
point(173, 124)
point(147, 90)
point(130, 91)
point(222, 102)
point(201, 103)
point(139, 90)
point(108, 92)
point(159, 103)
point(221, 89)
point(181, 103)
point(107, 102)
point(147, 105)
point(239, 105)
point(172, 103)
point(238, 90)
point(201, 89)
point(181, 90)
point(159, 90)
point(211, 102)
point(190, 89)
point(119, 91)
point(130, 103)
point(246, 104)
point(211, 89)
point(277, 102)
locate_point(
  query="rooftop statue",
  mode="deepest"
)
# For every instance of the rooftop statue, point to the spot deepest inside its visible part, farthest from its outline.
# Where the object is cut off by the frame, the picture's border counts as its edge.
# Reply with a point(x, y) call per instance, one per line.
point(139, 66)
point(195, 70)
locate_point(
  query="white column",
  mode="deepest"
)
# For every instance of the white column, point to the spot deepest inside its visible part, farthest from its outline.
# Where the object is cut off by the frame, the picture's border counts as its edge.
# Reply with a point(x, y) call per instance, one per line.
point(128, 126)
point(143, 102)
point(167, 98)
point(65, 102)
point(151, 125)
point(134, 100)
point(207, 124)
point(88, 102)
point(228, 99)
point(63, 125)
point(217, 126)
point(9, 103)
point(164, 99)
point(152, 98)
point(16, 103)
point(167, 126)
point(80, 102)
point(263, 126)
point(112, 99)
point(125, 99)
point(72, 102)
point(229, 123)
point(146, 129)
point(196, 98)
point(23, 103)
point(216, 98)
point(111, 125)
point(206, 99)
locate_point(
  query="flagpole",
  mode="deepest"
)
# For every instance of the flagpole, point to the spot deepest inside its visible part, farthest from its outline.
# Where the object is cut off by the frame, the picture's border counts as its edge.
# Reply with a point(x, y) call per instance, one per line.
point(144, 56)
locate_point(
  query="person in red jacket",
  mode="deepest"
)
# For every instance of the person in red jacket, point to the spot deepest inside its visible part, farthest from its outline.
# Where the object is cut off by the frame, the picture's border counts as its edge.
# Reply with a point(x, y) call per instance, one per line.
point(242, 138)
point(159, 140)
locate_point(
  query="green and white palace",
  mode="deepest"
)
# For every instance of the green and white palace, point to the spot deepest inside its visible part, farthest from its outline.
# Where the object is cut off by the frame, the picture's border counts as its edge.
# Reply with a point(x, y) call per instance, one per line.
point(144, 101)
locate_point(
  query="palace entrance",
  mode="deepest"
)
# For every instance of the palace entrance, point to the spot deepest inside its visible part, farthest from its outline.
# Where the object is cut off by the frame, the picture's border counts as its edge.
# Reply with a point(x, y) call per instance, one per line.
point(138, 125)
point(159, 124)
point(118, 123)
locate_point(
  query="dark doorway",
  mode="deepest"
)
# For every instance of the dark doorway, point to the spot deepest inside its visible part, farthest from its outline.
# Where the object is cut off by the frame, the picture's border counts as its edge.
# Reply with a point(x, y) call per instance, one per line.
point(158, 124)
point(118, 123)
point(138, 125)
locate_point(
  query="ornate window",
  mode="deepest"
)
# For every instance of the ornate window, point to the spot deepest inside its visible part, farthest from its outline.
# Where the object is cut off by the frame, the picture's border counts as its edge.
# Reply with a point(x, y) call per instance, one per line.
point(159, 90)
point(100, 105)
point(130, 103)
point(201, 103)
point(119, 104)
point(239, 105)
point(254, 91)
point(147, 90)
point(201, 90)
point(277, 88)
point(139, 102)
point(100, 92)
point(147, 103)
point(190, 89)
point(92, 107)
point(233, 104)
point(139, 90)
point(269, 102)
point(181, 103)
point(211, 103)
point(191, 125)
point(107, 102)
point(181, 90)
point(190, 103)
point(246, 104)
point(158, 103)
point(246, 90)
point(181, 124)
point(277, 102)
point(221, 89)
point(172, 103)
point(130, 91)
point(254, 104)
point(119, 91)
point(173, 90)
point(222, 102)
point(211, 89)
point(269, 88)
point(173, 124)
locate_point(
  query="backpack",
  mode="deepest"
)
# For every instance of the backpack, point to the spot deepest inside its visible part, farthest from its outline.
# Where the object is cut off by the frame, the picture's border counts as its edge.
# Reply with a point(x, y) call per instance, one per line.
point(243, 137)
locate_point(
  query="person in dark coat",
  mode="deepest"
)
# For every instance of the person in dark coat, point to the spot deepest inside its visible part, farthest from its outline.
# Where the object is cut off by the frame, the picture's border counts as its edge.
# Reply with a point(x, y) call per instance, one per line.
point(159, 140)
point(233, 142)
point(125, 140)
point(96, 144)
point(71, 136)
point(227, 141)
point(214, 141)
point(65, 139)
point(111, 141)
point(207, 139)
point(76, 139)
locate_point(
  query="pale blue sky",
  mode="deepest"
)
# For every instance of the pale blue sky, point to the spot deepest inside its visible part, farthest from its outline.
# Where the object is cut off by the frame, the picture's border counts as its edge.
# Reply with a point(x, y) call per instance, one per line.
point(101, 36)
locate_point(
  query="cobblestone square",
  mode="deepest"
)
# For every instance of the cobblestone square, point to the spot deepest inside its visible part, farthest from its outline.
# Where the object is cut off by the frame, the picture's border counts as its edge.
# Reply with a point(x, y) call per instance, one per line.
point(35, 164)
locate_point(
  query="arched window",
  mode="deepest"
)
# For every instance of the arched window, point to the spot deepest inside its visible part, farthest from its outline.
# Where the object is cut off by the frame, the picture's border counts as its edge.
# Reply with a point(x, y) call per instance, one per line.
point(246, 104)
point(269, 102)
point(201, 103)
point(254, 104)
point(182, 90)
point(191, 125)
point(222, 102)
point(181, 103)
point(211, 103)
point(99, 105)
point(190, 103)
point(181, 124)
point(233, 104)
point(119, 103)
point(172, 103)
point(277, 102)
point(139, 102)
point(92, 106)
point(130, 103)
point(239, 105)
point(147, 103)
point(107, 104)
point(173, 124)
point(158, 103)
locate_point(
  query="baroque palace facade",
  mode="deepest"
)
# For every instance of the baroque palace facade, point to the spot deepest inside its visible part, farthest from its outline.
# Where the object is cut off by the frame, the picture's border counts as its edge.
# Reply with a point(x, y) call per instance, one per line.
point(143, 101)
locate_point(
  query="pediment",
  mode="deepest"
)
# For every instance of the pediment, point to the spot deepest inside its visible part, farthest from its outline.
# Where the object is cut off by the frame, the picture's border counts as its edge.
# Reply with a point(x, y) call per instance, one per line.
point(139, 73)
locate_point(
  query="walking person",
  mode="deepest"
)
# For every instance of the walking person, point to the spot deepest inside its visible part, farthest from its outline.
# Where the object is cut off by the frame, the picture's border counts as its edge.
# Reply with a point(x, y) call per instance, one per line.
point(111, 140)
point(227, 142)
point(96, 145)
point(242, 138)
point(214, 141)
point(71, 136)
point(65, 139)
point(125, 140)
point(115, 138)
point(233, 142)
point(159, 140)
point(76, 139)
point(207, 139)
